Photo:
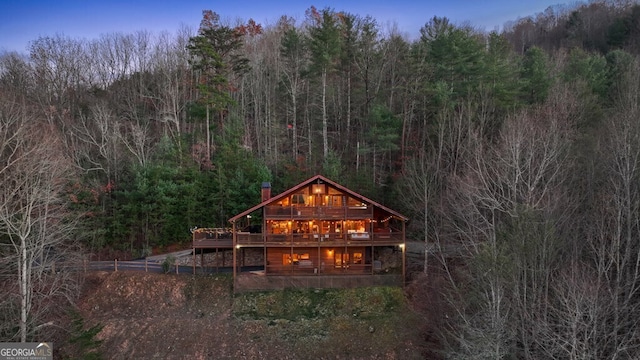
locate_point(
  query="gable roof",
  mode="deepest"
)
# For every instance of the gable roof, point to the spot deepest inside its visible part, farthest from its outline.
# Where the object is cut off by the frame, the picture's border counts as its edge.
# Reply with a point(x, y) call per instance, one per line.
point(309, 182)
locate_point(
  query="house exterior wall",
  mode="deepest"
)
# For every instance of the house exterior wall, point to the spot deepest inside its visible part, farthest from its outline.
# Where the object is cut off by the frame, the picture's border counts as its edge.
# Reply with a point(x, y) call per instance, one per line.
point(309, 260)
point(323, 229)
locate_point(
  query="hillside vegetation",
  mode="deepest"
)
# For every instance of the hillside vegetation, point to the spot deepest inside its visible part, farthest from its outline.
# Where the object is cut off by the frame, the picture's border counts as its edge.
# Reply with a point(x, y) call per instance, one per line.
point(197, 317)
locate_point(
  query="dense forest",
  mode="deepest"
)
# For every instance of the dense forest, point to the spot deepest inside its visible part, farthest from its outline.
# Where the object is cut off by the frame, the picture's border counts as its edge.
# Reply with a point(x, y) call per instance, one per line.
point(515, 154)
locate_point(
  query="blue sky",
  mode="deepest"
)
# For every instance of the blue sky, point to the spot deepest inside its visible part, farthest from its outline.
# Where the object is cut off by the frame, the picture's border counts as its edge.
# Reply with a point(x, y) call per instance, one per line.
point(22, 21)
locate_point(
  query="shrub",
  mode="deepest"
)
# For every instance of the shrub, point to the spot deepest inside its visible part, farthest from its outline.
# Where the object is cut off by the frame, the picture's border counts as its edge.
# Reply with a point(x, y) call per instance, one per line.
point(168, 263)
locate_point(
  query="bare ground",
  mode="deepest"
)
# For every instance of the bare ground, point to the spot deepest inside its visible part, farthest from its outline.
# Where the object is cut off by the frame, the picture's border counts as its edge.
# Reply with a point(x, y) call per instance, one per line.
point(146, 316)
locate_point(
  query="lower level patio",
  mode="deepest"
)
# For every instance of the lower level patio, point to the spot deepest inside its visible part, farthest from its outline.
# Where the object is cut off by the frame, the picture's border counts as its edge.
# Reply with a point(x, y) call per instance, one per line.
point(258, 281)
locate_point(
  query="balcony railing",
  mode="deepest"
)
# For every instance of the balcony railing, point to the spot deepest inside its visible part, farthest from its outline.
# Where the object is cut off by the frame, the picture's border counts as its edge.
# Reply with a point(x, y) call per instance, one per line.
point(212, 238)
point(318, 212)
point(366, 238)
point(213, 243)
point(315, 269)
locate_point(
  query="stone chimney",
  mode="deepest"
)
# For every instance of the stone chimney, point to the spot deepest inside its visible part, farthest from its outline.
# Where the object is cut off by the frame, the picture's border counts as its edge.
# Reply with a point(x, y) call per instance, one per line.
point(266, 191)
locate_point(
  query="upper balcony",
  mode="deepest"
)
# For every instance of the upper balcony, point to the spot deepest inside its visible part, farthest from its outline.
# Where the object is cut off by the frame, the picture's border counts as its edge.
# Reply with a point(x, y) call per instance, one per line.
point(275, 212)
point(361, 239)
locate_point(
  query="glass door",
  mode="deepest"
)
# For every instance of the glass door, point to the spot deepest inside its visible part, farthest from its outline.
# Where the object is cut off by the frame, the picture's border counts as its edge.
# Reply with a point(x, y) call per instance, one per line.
point(341, 260)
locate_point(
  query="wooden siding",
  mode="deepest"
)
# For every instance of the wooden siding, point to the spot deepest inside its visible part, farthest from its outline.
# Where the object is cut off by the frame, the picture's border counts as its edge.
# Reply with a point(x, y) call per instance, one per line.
point(304, 260)
point(331, 187)
point(319, 229)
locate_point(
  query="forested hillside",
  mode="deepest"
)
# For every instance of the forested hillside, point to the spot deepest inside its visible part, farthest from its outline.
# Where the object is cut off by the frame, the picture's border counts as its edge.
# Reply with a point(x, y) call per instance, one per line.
point(516, 155)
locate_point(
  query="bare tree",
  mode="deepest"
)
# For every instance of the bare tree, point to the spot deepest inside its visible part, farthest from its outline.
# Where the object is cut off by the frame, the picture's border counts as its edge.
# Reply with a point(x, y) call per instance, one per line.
point(137, 139)
point(96, 137)
point(613, 230)
point(172, 81)
point(576, 310)
point(295, 60)
point(33, 219)
point(16, 74)
point(504, 209)
point(420, 185)
point(61, 71)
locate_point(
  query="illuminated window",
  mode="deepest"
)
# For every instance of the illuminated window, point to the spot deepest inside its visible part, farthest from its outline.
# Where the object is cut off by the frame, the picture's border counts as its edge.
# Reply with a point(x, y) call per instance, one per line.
point(288, 259)
point(341, 260)
point(298, 199)
point(317, 188)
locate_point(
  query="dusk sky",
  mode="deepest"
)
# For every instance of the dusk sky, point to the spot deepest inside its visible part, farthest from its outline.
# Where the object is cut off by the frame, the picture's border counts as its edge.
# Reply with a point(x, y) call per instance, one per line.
point(22, 21)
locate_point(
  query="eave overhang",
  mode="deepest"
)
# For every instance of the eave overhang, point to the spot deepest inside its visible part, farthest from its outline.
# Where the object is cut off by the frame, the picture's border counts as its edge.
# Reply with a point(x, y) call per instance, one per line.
point(312, 180)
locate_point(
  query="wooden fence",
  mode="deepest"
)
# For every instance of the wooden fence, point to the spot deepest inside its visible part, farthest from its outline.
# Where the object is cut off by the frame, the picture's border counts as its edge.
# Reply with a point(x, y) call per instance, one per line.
point(146, 266)
point(118, 265)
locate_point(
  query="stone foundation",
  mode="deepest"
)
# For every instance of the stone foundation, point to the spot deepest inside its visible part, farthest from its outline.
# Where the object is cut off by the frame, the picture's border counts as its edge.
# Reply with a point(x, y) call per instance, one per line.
point(389, 258)
point(224, 258)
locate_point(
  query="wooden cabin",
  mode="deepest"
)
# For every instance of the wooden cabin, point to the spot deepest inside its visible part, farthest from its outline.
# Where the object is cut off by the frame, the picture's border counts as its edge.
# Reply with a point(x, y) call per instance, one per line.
point(319, 234)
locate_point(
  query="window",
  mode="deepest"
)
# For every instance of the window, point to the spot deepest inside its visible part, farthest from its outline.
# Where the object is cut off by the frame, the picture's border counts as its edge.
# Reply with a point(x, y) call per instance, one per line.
point(288, 259)
point(296, 259)
point(341, 260)
point(356, 226)
point(280, 227)
point(297, 199)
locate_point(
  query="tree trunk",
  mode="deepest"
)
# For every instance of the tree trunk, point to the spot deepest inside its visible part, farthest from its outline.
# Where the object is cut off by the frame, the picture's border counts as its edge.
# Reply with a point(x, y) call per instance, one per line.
point(208, 132)
point(325, 125)
point(23, 277)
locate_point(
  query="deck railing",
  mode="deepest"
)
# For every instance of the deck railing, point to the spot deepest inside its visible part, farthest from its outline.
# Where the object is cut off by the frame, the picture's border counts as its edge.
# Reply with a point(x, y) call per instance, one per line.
point(213, 243)
point(318, 212)
point(212, 238)
point(314, 269)
point(320, 239)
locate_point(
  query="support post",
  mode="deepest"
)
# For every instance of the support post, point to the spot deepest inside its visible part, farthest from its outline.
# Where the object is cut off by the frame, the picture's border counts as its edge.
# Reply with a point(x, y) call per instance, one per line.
point(233, 247)
point(404, 254)
point(372, 259)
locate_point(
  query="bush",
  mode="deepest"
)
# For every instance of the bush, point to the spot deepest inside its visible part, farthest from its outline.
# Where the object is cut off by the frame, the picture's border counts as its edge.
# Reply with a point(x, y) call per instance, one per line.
point(83, 341)
point(168, 263)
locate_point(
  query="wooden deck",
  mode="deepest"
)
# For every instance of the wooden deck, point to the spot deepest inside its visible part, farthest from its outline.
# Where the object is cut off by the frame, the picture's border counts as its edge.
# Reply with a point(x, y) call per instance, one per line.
point(364, 239)
point(281, 240)
point(212, 238)
point(213, 244)
point(257, 281)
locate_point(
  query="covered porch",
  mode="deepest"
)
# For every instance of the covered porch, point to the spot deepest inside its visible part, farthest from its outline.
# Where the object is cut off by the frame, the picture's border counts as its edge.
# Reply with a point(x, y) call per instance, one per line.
point(257, 281)
point(333, 260)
